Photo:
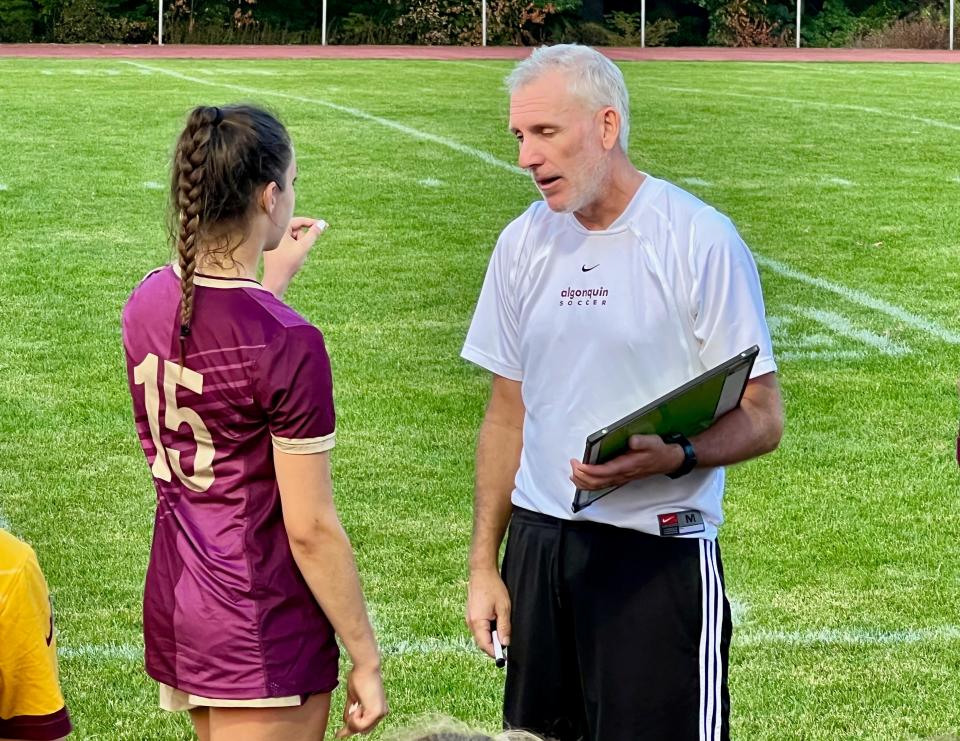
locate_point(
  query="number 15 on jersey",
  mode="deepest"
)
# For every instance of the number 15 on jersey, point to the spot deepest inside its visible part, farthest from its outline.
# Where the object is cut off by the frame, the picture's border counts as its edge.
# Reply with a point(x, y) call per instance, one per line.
point(147, 374)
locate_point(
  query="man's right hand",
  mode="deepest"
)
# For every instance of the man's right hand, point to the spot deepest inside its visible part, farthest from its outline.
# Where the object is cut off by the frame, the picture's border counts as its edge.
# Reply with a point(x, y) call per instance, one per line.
point(488, 599)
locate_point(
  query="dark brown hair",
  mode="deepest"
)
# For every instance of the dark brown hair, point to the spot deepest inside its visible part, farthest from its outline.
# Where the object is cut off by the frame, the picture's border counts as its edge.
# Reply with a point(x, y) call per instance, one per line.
point(222, 158)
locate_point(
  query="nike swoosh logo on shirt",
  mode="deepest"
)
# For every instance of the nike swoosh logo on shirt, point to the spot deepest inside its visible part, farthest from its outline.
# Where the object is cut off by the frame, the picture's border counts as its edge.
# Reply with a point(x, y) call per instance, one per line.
point(585, 269)
point(50, 637)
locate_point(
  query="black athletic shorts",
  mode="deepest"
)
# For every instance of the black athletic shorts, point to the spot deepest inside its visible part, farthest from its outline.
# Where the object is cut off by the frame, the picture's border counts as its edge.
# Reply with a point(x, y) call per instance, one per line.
point(616, 635)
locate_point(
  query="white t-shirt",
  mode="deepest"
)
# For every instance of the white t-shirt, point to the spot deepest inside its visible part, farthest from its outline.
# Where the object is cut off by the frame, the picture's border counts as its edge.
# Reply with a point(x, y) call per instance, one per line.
point(596, 324)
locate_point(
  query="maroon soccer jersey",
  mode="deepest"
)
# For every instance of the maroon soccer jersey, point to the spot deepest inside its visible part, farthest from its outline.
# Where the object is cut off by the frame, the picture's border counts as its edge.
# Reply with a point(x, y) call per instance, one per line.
point(227, 614)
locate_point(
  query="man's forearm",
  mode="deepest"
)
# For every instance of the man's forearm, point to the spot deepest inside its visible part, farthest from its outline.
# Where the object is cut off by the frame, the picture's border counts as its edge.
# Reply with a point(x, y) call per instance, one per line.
point(750, 430)
point(498, 458)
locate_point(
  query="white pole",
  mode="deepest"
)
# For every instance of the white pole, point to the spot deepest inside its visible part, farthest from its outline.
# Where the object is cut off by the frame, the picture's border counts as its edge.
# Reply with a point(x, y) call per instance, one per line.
point(643, 23)
point(799, 11)
point(952, 29)
point(159, 22)
point(484, 14)
point(323, 32)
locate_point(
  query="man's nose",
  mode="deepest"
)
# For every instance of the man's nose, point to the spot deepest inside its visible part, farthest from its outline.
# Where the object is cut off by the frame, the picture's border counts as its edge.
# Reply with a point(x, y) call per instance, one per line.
point(529, 154)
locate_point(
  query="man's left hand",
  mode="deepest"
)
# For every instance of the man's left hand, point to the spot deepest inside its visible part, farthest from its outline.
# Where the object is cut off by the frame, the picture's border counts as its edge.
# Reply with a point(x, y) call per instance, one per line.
point(648, 456)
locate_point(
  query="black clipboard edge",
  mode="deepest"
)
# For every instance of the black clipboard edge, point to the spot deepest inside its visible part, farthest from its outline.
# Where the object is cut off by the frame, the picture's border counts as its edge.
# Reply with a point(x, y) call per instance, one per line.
point(594, 438)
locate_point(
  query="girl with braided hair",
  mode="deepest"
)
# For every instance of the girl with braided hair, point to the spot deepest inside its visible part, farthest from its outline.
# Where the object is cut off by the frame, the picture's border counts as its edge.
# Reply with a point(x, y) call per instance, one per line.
point(251, 574)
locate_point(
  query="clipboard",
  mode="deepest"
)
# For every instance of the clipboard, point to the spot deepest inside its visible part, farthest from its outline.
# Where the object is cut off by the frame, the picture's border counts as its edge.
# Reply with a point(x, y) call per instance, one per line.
point(689, 410)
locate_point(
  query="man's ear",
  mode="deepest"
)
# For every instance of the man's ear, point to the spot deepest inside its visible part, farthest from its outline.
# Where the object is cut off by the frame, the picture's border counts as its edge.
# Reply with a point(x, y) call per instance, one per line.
point(610, 127)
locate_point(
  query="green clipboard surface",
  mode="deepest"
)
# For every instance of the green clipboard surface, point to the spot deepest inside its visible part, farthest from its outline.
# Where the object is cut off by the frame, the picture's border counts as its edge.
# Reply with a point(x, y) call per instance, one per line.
point(689, 410)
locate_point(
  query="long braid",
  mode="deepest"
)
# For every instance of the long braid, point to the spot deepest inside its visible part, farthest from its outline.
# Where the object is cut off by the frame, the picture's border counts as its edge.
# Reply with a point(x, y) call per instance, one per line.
point(222, 157)
point(191, 162)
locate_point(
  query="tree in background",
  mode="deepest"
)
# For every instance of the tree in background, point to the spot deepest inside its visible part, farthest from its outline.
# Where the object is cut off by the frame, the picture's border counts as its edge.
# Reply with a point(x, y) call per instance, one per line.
point(17, 20)
point(908, 23)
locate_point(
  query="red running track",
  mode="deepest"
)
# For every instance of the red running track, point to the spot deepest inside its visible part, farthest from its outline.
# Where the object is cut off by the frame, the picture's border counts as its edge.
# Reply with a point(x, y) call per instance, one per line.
point(685, 54)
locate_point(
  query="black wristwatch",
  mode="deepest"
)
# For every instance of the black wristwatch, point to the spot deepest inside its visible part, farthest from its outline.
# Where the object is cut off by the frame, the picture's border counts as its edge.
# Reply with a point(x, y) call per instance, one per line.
point(689, 455)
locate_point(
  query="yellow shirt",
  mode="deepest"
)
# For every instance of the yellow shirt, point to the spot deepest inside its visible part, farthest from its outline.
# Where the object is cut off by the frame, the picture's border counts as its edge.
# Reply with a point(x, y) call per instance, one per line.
point(31, 704)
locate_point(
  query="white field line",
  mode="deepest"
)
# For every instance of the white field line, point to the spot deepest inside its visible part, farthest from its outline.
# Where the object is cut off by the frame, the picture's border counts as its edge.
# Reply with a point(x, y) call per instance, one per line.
point(777, 323)
point(863, 299)
point(480, 65)
point(843, 326)
point(4, 523)
point(825, 355)
point(744, 637)
point(792, 68)
point(811, 104)
point(850, 294)
point(815, 340)
point(847, 637)
point(355, 112)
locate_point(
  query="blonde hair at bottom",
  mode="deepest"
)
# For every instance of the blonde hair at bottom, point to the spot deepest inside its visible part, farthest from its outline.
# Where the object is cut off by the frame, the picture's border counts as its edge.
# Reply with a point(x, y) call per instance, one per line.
point(440, 728)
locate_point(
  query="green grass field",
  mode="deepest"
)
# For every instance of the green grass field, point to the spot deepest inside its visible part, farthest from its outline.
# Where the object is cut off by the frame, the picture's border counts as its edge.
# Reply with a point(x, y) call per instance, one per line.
point(840, 549)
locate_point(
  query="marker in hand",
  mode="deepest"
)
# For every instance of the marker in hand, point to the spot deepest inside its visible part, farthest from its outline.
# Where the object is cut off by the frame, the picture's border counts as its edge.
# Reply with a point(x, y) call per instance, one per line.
point(499, 652)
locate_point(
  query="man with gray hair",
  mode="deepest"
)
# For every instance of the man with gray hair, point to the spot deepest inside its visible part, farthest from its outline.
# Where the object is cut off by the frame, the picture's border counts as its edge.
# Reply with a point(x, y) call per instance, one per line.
point(613, 290)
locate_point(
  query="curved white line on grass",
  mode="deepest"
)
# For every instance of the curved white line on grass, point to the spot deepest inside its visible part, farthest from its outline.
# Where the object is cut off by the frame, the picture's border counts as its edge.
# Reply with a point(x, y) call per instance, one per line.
point(861, 298)
point(3, 186)
point(825, 355)
point(776, 323)
point(4, 523)
point(355, 112)
point(697, 181)
point(847, 637)
point(153, 185)
point(105, 652)
point(812, 104)
point(430, 183)
point(875, 70)
point(843, 326)
point(464, 645)
point(480, 65)
point(839, 181)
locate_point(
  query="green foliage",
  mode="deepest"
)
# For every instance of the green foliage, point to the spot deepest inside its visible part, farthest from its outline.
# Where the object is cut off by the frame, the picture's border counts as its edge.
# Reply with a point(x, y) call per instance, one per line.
point(17, 18)
point(747, 22)
point(624, 29)
point(86, 21)
point(358, 28)
point(834, 25)
point(510, 22)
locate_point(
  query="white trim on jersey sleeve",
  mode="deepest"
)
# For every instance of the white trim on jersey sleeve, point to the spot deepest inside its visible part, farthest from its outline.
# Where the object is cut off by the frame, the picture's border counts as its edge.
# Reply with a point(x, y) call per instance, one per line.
point(726, 299)
point(304, 446)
